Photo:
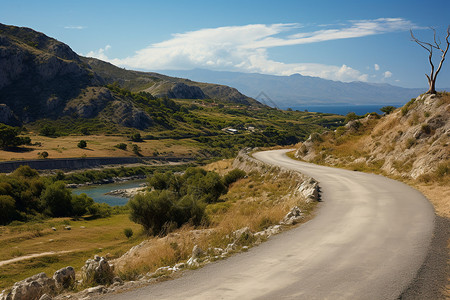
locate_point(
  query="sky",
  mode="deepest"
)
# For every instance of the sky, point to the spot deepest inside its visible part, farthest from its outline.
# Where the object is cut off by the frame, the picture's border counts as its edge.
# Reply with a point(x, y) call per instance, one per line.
point(338, 40)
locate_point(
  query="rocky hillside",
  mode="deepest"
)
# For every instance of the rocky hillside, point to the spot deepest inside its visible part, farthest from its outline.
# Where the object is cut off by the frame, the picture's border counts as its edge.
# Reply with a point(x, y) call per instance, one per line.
point(411, 142)
point(161, 85)
point(41, 77)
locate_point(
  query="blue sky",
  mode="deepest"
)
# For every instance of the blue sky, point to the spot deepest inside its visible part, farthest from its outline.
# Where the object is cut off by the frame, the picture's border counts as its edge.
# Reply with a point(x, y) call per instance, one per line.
point(338, 40)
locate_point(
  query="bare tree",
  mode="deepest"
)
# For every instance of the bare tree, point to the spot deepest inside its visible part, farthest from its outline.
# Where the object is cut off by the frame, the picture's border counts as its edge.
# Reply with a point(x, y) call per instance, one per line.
point(436, 44)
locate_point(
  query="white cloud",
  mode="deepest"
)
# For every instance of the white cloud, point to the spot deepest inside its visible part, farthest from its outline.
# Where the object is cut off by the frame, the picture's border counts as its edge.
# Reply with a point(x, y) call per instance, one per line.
point(100, 53)
point(376, 67)
point(387, 74)
point(75, 27)
point(244, 48)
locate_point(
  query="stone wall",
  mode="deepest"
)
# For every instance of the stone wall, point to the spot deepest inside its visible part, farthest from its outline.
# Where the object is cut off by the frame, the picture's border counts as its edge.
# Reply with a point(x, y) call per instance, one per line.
point(82, 163)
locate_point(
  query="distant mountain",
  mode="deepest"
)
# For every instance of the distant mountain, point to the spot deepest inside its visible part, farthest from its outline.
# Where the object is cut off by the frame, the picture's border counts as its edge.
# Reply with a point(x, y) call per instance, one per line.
point(298, 90)
point(41, 77)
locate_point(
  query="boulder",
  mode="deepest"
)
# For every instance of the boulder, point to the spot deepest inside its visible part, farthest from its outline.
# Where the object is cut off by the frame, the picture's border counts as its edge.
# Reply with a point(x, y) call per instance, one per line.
point(193, 261)
point(242, 236)
point(31, 288)
point(293, 217)
point(64, 278)
point(97, 270)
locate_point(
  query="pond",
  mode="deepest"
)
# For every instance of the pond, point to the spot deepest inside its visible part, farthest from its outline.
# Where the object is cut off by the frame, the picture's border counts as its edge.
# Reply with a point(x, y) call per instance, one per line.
point(97, 192)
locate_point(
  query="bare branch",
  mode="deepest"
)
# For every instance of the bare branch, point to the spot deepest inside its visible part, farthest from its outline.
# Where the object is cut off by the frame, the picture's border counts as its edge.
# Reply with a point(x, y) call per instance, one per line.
point(429, 47)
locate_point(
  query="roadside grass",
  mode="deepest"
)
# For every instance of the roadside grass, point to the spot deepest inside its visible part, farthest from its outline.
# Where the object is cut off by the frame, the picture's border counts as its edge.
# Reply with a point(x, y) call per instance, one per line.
point(100, 236)
point(257, 201)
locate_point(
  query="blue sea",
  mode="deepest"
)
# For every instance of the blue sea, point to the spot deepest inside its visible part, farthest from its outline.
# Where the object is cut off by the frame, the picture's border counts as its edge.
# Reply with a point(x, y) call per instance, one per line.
point(344, 109)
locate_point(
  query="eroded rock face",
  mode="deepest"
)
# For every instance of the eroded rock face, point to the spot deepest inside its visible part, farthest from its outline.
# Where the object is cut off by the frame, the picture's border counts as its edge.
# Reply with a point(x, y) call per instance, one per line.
point(7, 116)
point(97, 270)
point(31, 288)
point(184, 91)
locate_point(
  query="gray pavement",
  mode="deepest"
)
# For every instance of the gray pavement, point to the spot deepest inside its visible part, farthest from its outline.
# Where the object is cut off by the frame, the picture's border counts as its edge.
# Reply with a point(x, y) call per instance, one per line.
point(368, 240)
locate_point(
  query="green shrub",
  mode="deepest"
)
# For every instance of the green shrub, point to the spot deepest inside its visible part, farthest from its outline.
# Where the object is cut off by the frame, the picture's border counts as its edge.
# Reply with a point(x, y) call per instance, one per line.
point(82, 144)
point(47, 130)
point(136, 149)
point(387, 109)
point(128, 232)
point(121, 146)
point(100, 210)
point(81, 204)
point(58, 199)
point(9, 138)
point(233, 176)
point(7, 209)
point(43, 154)
point(136, 137)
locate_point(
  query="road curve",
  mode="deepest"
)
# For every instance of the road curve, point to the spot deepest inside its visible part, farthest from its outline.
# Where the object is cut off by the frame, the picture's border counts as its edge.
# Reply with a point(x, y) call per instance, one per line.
point(368, 240)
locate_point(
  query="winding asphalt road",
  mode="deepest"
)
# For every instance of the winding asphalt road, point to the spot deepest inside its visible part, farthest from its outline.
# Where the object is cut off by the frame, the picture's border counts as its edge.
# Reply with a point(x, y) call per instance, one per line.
point(368, 240)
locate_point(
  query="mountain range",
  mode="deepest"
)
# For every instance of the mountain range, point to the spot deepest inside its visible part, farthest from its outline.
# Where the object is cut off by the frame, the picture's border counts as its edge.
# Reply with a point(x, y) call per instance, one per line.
point(298, 90)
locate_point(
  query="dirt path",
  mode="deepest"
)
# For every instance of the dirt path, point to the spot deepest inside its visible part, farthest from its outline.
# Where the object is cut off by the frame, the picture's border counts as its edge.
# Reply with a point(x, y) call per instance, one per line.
point(20, 258)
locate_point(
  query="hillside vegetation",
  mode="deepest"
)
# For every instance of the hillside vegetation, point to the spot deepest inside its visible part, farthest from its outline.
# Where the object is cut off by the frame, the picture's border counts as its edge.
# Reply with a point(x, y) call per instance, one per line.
point(50, 91)
point(411, 143)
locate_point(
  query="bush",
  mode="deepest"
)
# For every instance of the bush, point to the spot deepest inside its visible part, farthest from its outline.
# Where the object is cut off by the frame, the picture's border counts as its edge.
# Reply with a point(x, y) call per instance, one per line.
point(387, 109)
point(128, 232)
point(9, 138)
point(136, 149)
point(81, 204)
point(100, 210)
point(58, 199)
point(7, 209)
point(121, 146)
point(82, 144)
point(233, 176)
point(153, 210)
point(48, 130)
point(136, 137)
point(43, 154)
point(351, 116)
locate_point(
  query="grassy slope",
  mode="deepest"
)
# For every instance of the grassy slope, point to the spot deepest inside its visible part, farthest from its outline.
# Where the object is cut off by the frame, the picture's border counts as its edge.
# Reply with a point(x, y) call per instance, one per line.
point(102, 236)
point(249, 202)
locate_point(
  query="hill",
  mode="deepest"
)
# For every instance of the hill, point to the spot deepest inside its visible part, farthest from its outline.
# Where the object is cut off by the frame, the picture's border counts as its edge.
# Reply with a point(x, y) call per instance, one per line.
point(411, 143)
point(298, 90)
point(41, 77)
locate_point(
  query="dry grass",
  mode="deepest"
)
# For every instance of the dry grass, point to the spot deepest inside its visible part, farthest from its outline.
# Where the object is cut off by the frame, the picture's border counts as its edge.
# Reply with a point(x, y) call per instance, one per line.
point(222, 166)
point(256, 202)
point(97, 146)
point(102, 236)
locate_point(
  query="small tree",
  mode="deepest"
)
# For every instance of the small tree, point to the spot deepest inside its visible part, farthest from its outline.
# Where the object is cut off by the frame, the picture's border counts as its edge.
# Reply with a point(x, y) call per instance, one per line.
point(121, 146)
point(43, 154)
point(136, 149)
point(9, 138)
point(436, 44)
point(387, 109)
point(128, 232)
point(82, 144)
point(48, 130)
point(136, 137)
point(57, 199)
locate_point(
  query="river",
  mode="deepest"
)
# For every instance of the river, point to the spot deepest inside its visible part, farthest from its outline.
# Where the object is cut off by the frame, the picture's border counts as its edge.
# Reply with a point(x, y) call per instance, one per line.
point(97, 192)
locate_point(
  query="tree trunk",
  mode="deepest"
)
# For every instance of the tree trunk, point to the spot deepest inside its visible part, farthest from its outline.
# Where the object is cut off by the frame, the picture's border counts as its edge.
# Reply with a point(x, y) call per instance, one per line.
point(432, 89)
